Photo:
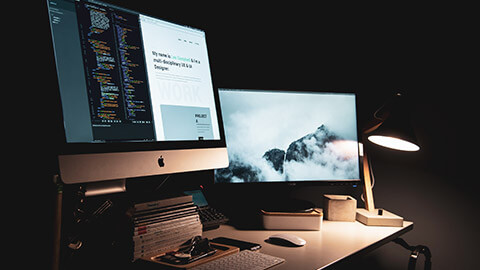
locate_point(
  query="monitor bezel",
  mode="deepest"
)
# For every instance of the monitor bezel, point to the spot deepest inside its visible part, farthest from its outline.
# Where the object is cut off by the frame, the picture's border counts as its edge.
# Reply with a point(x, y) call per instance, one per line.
point(329, 182)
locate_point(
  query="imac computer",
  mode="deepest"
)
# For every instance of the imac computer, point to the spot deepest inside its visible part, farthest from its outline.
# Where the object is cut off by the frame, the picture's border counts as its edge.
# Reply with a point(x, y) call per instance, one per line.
point(290, 137)
point(136, 92)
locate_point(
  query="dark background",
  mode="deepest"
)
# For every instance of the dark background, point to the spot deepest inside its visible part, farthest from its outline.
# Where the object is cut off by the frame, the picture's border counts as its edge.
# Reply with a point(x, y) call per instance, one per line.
point(424, 52)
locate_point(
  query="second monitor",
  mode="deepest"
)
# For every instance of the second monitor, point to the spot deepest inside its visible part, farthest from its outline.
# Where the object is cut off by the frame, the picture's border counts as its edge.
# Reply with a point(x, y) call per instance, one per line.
point(289, 136)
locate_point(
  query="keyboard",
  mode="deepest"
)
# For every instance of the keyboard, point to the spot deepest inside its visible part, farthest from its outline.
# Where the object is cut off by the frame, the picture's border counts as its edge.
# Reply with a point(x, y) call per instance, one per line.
point(243, 260)
point(211, 218)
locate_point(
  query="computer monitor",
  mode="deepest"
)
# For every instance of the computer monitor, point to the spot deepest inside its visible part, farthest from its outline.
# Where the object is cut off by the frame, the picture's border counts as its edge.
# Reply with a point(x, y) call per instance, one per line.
point(289, 137)
point(136, 92)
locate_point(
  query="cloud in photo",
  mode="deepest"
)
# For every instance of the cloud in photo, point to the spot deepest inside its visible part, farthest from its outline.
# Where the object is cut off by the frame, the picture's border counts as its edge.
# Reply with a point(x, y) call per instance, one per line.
point(259, 121)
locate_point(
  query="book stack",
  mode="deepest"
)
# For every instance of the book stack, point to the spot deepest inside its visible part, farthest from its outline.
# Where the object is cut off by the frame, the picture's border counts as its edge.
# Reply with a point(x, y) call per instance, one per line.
point(164, 225)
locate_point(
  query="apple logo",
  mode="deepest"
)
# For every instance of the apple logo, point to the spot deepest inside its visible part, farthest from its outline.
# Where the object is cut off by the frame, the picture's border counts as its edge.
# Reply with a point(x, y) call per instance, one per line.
point(161, 162)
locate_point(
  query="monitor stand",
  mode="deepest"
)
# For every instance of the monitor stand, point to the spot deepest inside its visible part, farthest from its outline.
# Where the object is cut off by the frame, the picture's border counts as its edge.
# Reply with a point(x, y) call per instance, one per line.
point(289, 205)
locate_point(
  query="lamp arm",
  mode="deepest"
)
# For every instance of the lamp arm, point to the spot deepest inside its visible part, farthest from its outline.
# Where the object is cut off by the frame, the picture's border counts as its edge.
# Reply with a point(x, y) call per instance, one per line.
point(367, 184)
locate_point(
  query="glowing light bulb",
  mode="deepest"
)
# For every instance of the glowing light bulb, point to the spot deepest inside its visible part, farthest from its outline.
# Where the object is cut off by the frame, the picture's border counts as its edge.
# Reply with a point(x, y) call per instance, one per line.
point(394, 143)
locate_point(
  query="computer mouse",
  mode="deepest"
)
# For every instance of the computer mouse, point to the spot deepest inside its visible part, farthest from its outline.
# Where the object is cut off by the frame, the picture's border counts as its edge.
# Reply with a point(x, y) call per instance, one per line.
point(286, 239)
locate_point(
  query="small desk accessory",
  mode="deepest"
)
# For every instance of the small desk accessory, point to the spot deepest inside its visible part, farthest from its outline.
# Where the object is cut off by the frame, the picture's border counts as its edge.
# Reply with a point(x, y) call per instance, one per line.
point(293, 221)
point(173, 259)
point(339, 207)
point(390, 128)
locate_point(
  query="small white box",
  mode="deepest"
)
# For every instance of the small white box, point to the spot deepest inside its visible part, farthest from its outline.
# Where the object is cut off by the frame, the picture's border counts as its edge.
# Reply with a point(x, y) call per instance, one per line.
point(293, 221)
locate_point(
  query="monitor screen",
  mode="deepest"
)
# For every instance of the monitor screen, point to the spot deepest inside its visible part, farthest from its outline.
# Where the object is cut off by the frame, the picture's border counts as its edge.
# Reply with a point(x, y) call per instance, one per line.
point(282, 136)
point(130, 82)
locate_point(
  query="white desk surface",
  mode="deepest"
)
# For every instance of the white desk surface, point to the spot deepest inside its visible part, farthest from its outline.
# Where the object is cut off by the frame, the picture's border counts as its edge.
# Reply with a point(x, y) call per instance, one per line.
point(334, 242)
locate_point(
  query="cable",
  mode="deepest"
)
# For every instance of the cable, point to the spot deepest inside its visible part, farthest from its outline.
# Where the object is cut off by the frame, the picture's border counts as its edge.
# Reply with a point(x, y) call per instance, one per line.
point(372, 175)
point(163, 182)
point(416, 250)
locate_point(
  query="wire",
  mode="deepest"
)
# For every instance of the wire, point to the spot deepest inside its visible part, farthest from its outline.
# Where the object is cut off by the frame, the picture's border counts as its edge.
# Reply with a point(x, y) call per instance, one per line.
point(389, 102)
point(377, 111)
point(416, 250)
point(163, 182)
point(372, 175)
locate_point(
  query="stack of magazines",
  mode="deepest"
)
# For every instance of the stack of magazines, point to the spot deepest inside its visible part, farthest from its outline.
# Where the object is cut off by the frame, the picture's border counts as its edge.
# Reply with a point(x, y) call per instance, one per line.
point(164, 225)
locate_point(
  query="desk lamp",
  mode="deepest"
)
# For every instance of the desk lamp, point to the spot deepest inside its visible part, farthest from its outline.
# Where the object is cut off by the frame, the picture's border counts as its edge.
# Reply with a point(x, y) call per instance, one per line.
point(390, 128)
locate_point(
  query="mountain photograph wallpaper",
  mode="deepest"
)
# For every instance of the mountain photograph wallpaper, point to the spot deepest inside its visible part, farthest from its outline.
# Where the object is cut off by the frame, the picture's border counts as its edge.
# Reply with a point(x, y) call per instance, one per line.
point(286, 136)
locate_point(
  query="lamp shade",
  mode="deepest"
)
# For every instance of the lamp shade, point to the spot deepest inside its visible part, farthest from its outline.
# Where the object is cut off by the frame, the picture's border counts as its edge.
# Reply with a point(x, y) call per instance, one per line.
point(395, 130)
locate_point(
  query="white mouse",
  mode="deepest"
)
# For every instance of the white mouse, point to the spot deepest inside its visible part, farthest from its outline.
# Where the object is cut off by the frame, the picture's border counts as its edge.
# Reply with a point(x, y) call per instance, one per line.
point(286, 239)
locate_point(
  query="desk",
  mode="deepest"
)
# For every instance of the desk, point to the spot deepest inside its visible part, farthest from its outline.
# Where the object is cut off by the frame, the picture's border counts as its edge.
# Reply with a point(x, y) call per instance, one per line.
point(336, 241)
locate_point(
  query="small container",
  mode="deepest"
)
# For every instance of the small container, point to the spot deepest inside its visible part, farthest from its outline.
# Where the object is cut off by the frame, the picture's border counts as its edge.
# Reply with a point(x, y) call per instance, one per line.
point(311, 221)
point(339, 207)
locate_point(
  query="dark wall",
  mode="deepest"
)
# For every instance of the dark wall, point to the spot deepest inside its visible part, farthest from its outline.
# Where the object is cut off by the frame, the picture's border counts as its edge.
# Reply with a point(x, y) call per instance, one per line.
point(421, 52)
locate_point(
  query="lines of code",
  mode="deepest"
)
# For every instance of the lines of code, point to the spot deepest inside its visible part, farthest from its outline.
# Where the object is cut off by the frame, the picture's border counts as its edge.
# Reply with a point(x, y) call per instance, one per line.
point(113, 60)
point(132, 72)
